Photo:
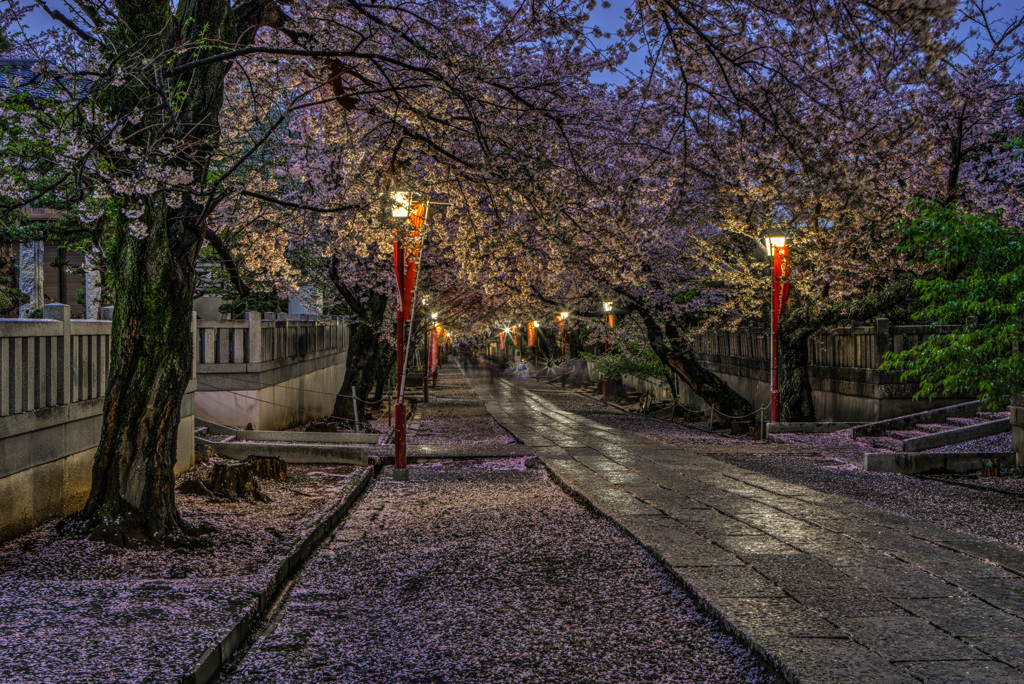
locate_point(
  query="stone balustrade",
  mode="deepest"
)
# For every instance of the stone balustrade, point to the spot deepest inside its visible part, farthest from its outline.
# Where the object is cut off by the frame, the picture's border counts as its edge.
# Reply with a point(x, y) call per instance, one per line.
point(53, 381)
point(271, 371)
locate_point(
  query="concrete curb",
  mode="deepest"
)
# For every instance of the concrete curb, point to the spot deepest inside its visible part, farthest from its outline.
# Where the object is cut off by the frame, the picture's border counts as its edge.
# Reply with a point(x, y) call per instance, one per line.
point(289, 436)
point(210, 663)
point(340, 454)
point(923, 463)
point(767, 658)
point(964, 434)
point(808, 428)
point(903, 422)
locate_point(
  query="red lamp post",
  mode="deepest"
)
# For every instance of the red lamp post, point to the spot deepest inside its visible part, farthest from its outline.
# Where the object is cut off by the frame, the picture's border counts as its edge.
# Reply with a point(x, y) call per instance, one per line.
point(408, 212)
point(775, 244)
point(608, 306)
point(562, 318)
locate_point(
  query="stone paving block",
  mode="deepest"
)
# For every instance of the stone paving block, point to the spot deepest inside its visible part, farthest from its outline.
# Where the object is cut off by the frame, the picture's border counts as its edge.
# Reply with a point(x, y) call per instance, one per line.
point(909, 638)
point(834, 661)
point(696, 555)
point(990, 550)
point(797, 569)
point(964, 616)
point(808, 511)
point(838, 606)
point(1006, 593)
point(900, 581)
point(965, 672)
point(721, 526)
point(753, 545)
point(684, 508)
point(774, 616)
point(735, 505)
point(728, 581)
point(1009, 649)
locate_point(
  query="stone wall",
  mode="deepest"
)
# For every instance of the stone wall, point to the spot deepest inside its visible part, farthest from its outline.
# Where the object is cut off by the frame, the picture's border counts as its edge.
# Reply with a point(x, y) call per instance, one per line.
point(273, 371)
point(53, 380)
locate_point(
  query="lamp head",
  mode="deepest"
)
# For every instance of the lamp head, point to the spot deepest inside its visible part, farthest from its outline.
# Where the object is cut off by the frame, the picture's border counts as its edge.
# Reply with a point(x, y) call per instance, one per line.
point(401, 203)
point(564, 315)
point(772, 237)
point(608, 306)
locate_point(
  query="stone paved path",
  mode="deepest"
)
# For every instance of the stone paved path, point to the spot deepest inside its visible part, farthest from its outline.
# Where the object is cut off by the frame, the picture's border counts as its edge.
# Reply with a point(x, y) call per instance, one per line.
point(829, 589)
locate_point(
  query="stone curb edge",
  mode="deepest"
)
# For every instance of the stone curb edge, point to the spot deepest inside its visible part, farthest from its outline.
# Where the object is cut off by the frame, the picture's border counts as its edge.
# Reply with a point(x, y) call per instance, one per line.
point(211, 661)
point(767, 658)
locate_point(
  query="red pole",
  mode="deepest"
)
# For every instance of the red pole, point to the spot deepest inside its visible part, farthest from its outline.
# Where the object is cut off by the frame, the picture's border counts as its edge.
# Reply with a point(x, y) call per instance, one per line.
point(400, 403)
point(775, 339)
point(563, 353)
point(426, 360)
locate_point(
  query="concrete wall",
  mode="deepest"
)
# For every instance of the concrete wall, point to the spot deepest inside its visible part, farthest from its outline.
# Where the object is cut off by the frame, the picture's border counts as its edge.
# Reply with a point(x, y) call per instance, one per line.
point(273, 371)
point(53, 377)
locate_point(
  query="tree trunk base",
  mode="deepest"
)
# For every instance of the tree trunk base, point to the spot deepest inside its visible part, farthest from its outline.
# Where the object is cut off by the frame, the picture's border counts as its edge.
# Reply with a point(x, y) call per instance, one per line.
point(234, 481)
point(269, 467)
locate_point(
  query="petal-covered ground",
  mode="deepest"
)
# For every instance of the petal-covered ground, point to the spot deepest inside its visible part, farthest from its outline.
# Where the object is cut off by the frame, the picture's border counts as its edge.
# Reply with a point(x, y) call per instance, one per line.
point(486, 572)
point(78, 611)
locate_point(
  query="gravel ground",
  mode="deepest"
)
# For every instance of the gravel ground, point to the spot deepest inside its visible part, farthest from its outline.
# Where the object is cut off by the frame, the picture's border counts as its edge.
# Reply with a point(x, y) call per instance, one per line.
point(993, 507)
point(80, 611)
point(486, 573)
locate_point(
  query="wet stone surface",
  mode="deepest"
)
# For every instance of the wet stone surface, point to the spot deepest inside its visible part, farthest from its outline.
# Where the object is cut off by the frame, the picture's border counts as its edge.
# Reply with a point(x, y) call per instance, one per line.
point(486, 572)
point(861, 593)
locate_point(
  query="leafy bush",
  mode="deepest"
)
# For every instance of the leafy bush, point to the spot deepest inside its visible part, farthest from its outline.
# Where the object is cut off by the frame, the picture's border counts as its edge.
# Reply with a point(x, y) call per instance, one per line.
point(981, 287)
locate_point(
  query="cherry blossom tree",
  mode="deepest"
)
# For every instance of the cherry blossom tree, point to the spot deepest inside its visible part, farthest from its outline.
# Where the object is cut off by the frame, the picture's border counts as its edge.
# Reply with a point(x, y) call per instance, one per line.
point(138, 92)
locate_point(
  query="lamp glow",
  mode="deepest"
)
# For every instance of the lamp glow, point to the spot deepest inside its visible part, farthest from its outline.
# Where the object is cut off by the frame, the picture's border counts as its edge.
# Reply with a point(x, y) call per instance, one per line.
point(401, 204)
point(773, 238)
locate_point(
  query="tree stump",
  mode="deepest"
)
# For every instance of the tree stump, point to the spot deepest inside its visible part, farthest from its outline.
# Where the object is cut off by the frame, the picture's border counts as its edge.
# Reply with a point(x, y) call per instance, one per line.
point(234, 481)
point(268, 467)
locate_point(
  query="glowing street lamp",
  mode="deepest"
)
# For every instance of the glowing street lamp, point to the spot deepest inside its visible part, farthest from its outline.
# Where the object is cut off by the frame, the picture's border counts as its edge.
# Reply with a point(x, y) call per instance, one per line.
point(562, 318)
point(406, 210)
point(608, 308)
point(775, 245)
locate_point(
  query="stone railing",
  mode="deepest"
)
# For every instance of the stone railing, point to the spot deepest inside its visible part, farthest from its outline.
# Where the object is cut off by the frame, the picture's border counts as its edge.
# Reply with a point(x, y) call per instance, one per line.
point(272, 371)
point(53, 381)
point(843, 365)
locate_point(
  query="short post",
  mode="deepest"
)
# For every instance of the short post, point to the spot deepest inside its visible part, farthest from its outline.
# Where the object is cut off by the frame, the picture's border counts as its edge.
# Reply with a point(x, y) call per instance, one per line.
point(355, 408)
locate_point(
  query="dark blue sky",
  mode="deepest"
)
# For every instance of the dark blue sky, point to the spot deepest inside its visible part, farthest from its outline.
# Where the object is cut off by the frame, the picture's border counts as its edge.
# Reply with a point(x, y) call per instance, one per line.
point(607, 19)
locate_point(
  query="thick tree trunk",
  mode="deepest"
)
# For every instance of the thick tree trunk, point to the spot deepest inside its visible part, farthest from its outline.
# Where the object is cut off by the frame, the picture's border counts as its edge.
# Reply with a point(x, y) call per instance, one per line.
point(366, 350)
point(132, 496)
point(676, 353)
point(795, 395)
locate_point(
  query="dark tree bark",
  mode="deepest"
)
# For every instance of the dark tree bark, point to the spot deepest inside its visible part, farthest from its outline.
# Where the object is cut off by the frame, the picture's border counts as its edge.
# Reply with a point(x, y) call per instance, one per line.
point(153, 277)
point(365, 346)
point(268, 467)
point(676, 352)
point(234, 481)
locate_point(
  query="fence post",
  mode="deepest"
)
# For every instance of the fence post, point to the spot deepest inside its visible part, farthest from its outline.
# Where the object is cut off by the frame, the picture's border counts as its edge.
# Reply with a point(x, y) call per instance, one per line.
point(255, 321)
point(62, 313)
point(881, 340)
